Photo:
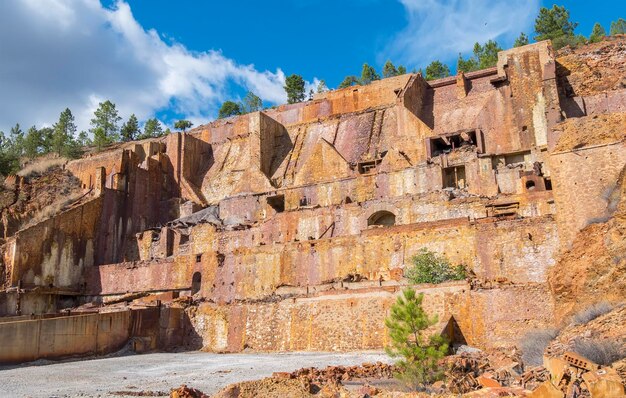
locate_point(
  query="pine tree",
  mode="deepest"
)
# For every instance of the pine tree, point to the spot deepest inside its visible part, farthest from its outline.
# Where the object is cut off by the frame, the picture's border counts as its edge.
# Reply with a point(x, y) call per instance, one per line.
point(321, 87)
point(182, 124)
point(401, 70)
point(228, 109)
point(389, 69)
point(368, 74)
point(83, 139)
point(487, 54)
point(33, 143)
point(349, 81)
point(252, 103)
point(152, 129)
point(105, 125)
point(521, 40)
point(597, 33)
point(437, 70)
point(618, 27)
point(466, 65)
point(17, 140)
point(407, 323)
point(64, 130)
point(554, 24)
point(130, 129)
point(47, 135)
point(294, 87)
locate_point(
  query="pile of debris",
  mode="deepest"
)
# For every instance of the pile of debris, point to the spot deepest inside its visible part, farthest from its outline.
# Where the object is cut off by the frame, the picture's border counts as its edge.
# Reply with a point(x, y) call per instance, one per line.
point(186, 392)
point(575, 376)
point(378, 370)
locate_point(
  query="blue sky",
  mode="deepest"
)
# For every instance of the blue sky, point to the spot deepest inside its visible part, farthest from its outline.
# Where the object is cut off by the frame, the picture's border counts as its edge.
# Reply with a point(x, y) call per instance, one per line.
point(181, 59)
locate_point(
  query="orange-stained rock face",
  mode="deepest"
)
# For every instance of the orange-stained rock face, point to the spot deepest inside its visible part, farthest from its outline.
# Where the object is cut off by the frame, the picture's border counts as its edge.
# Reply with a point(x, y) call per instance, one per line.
point(295, 224)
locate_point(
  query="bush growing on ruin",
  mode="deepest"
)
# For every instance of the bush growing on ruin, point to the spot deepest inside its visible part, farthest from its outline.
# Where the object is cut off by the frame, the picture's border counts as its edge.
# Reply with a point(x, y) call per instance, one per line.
point(420, 354)
point(429, 267)
point(602, 352)
point(534, 343)
point(591, 313)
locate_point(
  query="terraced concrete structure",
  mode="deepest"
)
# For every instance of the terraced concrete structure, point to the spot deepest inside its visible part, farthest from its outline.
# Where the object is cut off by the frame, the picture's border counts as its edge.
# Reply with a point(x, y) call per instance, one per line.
point(291, 227)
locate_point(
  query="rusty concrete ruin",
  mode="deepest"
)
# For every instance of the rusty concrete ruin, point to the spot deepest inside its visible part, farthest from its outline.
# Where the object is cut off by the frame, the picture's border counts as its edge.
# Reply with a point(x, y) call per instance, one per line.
point(291, 226)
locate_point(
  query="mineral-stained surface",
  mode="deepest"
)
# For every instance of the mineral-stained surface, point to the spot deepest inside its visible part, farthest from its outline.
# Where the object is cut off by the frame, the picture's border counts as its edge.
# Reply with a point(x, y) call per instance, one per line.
point(291, 228)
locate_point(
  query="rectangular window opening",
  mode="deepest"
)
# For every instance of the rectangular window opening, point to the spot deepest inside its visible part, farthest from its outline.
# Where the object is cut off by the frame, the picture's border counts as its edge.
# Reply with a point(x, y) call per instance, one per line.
point(454, 177)
point(448, 143)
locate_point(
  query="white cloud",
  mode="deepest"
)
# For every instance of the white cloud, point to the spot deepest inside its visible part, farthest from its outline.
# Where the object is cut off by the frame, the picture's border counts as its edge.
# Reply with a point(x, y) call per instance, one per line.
point(75, 53)
point(441, 29)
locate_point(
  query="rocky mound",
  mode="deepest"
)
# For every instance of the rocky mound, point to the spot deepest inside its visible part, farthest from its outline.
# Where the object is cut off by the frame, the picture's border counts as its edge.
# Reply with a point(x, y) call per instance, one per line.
point(36, 193)
point(593, 68)
point(590, 130)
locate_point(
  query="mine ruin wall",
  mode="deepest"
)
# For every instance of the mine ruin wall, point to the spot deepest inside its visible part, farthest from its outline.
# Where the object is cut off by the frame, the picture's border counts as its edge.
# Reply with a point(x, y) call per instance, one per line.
point(348, 321)
point(583, 181)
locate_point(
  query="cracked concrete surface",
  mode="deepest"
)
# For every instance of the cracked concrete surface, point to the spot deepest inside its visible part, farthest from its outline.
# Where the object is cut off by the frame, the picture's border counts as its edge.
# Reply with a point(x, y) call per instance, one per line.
point(159, 372)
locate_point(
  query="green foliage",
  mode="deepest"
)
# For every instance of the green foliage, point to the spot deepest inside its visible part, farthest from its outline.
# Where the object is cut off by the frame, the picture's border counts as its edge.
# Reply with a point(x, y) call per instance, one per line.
point(251, 103)
point(9, 161)
point(228, 109)
point(151, 129)
point(17, 140)
point(420, 354)
point(33, 143)
point(368, 74)
point(321, 87)
point(349, 81)
point(83, 139)
point(466, 65)
point(130, 129)
point(597, 33)
point(436, 70)
point(104, 125)
point(401, 70)
point(294, 87)
point(485, 56)
point(47, 136)
point(389, 69)
point(618, 27)
point(521, 40)
point(554, 24)
point(63, 131)
point(182, 124)
point(429, 267)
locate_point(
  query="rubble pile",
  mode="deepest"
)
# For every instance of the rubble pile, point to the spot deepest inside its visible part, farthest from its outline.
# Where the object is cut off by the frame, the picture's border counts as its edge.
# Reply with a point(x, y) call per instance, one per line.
point(186, 392)
point(376, 370)
point(572, 375)
point(593, 68)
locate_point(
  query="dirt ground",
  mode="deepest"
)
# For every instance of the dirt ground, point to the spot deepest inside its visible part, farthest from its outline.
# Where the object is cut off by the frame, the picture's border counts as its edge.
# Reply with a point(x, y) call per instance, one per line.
point(140, 375)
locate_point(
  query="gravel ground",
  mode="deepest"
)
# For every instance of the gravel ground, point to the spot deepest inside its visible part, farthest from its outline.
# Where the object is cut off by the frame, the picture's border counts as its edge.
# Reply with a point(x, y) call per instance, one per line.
point(159, 372)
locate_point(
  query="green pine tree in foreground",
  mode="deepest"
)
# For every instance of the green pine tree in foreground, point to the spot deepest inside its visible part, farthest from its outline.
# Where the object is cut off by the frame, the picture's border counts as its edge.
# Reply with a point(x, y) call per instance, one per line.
point(419, 353)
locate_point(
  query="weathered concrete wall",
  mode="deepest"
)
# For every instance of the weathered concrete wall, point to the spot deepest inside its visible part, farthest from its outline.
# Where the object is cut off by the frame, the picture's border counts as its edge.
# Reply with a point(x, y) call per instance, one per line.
point(55, 338)
point(583, 181)
point(92, 334)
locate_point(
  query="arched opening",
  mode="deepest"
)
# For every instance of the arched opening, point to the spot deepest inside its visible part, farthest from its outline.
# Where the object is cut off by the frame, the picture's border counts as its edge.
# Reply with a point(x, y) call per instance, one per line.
point(382, 217)
point(530, 185)
point(196, 283)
